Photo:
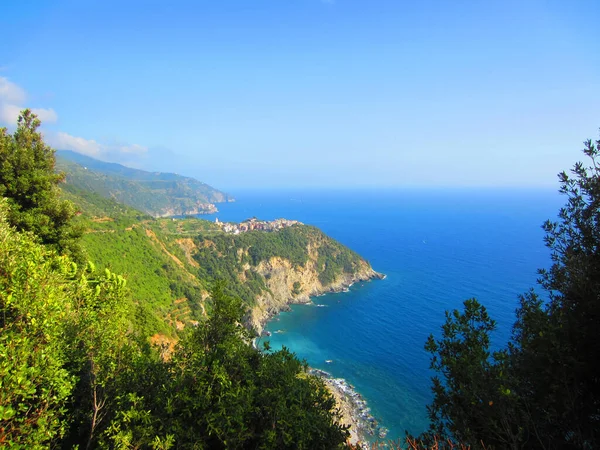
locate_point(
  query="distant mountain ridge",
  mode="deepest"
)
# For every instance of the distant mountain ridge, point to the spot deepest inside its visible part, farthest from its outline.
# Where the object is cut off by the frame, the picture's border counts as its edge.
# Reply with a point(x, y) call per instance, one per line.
point(155, 193)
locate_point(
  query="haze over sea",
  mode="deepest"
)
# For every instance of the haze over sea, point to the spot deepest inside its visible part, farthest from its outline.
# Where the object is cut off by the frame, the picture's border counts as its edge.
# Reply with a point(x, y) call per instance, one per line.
point(437, 248)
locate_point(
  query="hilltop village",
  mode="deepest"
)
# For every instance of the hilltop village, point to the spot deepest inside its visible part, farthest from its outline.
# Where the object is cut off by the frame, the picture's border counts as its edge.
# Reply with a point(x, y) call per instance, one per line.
point(255, 224)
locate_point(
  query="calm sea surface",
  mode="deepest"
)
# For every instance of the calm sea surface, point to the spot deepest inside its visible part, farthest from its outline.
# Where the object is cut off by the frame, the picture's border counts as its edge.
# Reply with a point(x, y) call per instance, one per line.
point(437, 249)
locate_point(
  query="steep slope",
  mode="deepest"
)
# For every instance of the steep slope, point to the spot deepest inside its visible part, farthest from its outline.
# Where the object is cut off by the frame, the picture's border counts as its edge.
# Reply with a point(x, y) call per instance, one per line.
point(155, 193)
point(164, 295)
point(273, 269)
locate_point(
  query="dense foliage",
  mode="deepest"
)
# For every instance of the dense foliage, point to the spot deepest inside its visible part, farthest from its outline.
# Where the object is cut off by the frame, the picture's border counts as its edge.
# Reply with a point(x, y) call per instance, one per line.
point(29, 183)
point(154, 285)
point(219, 392)
point(543, 390)
point(61, 332)
point(154, 193)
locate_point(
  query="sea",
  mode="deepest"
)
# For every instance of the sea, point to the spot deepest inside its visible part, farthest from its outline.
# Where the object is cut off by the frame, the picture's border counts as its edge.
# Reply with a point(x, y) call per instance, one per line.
point(437, 248)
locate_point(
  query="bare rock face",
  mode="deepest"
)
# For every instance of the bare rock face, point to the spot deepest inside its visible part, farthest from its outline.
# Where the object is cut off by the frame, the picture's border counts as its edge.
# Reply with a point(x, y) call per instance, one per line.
point(292, 285)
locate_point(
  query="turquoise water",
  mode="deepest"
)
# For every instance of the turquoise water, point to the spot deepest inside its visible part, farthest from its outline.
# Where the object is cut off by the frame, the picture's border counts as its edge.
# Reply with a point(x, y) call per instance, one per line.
point(437, 249)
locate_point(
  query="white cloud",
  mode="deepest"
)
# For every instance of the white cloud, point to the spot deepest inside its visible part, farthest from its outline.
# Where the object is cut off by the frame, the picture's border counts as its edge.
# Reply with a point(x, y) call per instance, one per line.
point(46, 115)
point(13, 100)
point(65, 141)
point(9, 113)
point(90, 147)
point(10, 92)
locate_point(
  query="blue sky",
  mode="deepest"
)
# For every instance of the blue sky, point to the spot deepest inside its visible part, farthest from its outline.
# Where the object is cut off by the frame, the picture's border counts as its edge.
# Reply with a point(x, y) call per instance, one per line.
point(312, 93)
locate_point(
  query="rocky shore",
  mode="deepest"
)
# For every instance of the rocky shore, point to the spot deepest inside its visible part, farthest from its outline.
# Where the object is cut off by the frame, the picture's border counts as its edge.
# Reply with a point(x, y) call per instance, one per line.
point(281, 276)
point(354, 410)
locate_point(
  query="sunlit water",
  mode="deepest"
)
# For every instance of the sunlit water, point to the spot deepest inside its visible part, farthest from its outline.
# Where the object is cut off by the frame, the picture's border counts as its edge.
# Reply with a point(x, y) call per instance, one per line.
point(437, 249)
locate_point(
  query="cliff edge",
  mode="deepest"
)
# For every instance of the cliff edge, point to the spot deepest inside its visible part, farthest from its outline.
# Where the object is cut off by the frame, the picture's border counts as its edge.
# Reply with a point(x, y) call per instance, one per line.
point(288, 284)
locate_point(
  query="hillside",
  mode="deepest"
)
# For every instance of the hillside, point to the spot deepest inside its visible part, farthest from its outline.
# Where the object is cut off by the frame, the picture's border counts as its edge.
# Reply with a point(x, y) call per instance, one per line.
point(171, 264)
point(154, 193)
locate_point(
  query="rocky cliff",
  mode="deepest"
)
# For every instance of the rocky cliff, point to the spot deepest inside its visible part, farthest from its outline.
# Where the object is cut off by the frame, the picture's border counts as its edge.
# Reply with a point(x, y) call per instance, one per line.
point(288, 284)
point(269, 270)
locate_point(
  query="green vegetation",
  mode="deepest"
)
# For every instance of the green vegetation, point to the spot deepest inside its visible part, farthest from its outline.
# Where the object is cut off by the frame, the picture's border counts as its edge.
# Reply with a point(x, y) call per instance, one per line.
point(335, 259)
point(154, 280)
point(160, 293)
point(543, 390)
point(62, 331)
point(95, 206)
point(154, 193)
point(221, 256)
point(29, 183)
point(296, 288)
point(171, 265)
point(218, 392)
point(76, 370)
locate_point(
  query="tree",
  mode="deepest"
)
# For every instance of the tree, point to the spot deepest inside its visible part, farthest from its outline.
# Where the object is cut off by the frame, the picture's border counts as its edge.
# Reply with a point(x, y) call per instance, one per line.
point(555, 343)
point(100, 353)
point(34, 384)
point(474, 402)
point(219, 392)
point(29, 182)
point(62, 343)
point(293, 409)
point(543, 390)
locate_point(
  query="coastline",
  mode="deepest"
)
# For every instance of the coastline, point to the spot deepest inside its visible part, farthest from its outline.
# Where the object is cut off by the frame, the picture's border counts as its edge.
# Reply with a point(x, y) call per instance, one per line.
point(352, 405)
point(265, 310)
point(353, 409)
